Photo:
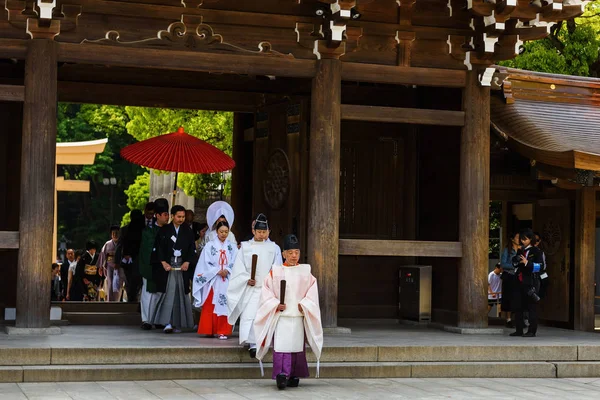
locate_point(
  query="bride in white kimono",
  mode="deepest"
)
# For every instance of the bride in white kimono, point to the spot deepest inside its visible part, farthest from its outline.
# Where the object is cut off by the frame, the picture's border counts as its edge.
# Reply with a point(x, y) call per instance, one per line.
point(217, 212)
point(211, 280)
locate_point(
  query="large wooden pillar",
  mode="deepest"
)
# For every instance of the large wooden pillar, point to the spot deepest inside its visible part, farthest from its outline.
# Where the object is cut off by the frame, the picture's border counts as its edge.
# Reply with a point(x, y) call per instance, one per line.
point(324, 185)
point(38, 160)
point(474, 192)
point(585, 259)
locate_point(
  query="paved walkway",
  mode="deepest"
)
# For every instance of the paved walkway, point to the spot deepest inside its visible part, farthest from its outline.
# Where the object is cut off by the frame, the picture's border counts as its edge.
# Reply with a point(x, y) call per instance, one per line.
point(364, 334)
point(505, 389)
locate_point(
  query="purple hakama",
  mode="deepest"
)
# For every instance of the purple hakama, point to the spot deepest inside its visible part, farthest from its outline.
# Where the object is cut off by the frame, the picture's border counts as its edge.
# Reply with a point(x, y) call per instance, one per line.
point(293, 365)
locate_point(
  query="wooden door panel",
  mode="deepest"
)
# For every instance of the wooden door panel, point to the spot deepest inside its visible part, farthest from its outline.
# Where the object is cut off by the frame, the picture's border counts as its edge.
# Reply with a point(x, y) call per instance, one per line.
point(552, 220)
point(371, 181)
point(279, 163)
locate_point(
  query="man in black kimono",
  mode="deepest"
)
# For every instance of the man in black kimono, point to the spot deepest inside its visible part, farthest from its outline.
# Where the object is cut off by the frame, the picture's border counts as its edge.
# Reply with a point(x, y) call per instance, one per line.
point(175, 249)
point(87, 275)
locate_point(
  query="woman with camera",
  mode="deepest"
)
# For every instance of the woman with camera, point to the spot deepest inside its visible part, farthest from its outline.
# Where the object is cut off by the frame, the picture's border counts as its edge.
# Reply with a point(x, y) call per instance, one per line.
point(529, 262)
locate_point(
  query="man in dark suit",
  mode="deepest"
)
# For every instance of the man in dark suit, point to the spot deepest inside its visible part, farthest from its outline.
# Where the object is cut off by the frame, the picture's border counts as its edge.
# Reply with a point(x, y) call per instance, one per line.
point(175, 251)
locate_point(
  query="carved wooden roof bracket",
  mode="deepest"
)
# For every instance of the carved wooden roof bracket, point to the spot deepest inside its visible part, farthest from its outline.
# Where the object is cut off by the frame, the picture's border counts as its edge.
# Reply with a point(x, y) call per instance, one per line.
point(41, 20)
point(189, 34)
point(404, 36)
point(500, 27)
point(330, 36)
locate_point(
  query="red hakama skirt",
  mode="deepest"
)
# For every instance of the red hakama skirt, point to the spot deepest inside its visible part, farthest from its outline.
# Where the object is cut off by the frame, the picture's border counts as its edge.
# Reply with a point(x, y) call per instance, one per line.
point(210, 323)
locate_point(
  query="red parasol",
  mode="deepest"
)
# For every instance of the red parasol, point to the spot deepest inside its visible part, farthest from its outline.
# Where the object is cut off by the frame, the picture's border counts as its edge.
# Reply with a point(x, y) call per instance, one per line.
point(178, 152)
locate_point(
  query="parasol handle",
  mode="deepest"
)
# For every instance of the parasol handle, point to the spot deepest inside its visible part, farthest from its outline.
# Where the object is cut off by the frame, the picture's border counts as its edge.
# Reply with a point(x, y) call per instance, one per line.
point(254, 261)
point(282, 292)
point(174, 190)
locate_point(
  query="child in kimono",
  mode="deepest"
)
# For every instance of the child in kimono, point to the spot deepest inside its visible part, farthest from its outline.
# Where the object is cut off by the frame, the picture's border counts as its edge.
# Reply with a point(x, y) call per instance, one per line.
point(211, 280)
point(289, 322)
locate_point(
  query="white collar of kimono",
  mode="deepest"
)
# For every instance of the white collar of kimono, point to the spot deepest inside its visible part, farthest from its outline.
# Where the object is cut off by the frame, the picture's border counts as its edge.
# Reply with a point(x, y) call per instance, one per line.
point(216, 209)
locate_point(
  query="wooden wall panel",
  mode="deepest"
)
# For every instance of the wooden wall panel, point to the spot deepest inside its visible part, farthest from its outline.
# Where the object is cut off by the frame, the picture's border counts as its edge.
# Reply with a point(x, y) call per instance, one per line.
point(374, 161)
point(439, 158)
point(372, 178)
point(286, 150)
point(368, 286)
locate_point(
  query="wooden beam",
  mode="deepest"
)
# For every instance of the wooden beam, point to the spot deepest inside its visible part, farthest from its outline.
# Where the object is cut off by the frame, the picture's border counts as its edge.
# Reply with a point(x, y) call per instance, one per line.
point(148, 96)
point(237, 64)
point(38, 163)
point(12, 93)
point(324, 185)
point(400, 248)
point(9, 240)
point(474, 193)
point(404, 75)
point(585, 259)
point(403, 115)
point(123, 56)
point(71, 185)
point(13, 48)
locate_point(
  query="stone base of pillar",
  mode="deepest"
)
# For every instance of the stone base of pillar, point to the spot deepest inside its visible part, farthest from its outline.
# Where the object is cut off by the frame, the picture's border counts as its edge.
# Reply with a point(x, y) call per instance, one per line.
point(14, 331)
point(338, 330)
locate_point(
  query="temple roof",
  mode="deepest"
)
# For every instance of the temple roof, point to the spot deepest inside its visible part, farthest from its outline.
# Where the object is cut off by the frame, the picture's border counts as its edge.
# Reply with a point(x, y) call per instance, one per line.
point(552, 119)
point(79, 153)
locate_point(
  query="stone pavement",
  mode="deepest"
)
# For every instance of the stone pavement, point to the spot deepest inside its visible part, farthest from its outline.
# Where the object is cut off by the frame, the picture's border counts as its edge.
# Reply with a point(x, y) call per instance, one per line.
point(506, 389)
point(364, 334)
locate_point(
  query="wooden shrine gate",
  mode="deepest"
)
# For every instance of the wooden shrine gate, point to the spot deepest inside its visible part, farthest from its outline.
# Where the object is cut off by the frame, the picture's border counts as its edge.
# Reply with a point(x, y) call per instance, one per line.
point(235, 55)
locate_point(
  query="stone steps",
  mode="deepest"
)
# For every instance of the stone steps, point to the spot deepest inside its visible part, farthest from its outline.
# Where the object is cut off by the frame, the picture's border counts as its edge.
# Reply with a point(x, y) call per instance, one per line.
point(100, 313)
point(102, 318)
point(58, 364)
point(226, 353)
point(122, 372)
point(99, 306)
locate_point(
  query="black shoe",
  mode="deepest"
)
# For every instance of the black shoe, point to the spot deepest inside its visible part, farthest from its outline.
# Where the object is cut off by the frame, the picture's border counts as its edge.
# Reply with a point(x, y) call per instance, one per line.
point(529, 334)
point(293, 382)
point(516, 334)
point(252, 353)
point(146, 326)
point(509, 324)
point(159, 326)
point(281, 381)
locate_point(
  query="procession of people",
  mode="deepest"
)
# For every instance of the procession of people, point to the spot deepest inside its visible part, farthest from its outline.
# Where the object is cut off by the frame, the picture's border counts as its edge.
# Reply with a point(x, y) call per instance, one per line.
point(182, 265)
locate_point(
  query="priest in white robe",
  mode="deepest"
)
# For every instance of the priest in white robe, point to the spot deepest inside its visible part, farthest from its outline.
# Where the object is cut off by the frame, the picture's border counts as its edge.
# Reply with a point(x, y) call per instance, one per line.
point(289, 322)
point(243, 293)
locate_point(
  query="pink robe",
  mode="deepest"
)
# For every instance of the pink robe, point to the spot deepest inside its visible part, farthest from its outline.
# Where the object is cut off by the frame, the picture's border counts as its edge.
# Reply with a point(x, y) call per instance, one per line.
point(301, 289)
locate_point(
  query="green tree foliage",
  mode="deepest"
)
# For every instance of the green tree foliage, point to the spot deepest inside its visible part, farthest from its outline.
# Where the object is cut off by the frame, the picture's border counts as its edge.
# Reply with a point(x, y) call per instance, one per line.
point(85, 216)
point(137, 194)
point(214, 127)
point(571, 48)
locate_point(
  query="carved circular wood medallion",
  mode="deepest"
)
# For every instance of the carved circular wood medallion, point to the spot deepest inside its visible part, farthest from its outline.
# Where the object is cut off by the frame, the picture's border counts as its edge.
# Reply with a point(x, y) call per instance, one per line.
point(551, 237)
point(276, 185)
